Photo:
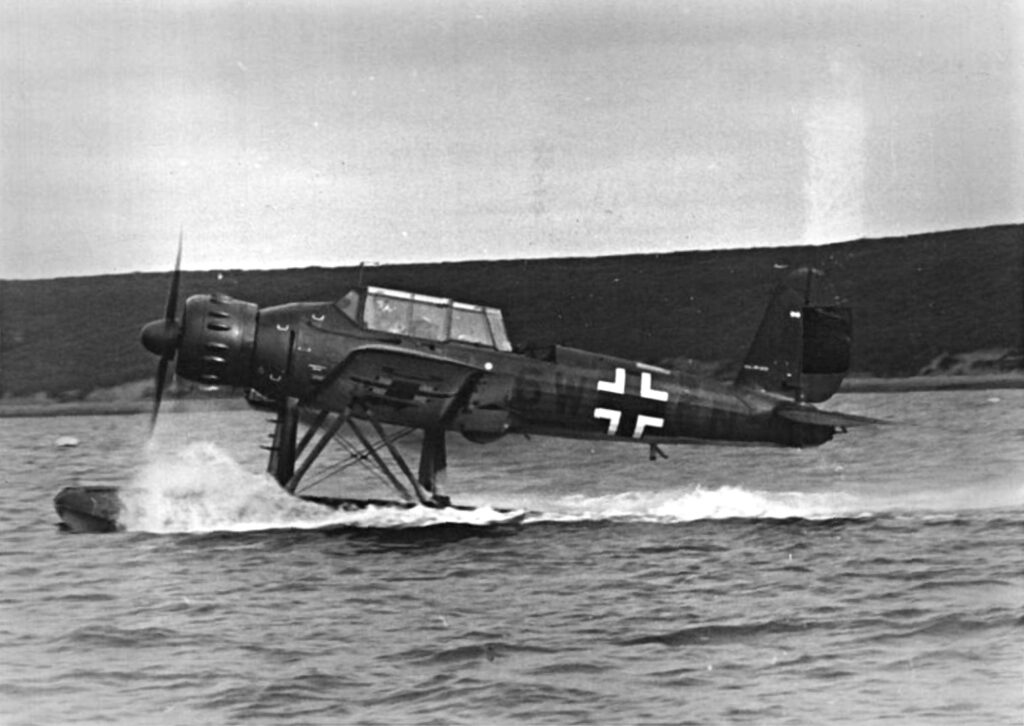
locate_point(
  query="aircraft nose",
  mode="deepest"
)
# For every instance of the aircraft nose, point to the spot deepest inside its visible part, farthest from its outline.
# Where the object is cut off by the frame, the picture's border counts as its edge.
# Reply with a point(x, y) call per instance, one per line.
point(160, 337)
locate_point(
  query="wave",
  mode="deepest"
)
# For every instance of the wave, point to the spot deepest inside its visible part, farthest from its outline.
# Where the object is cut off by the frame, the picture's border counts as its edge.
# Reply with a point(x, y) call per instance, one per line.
point(201, 488)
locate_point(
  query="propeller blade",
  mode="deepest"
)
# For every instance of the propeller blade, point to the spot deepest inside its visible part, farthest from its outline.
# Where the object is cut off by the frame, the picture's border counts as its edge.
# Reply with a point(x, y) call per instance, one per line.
point(158, 394)
point(162, 337)
point(172, 294)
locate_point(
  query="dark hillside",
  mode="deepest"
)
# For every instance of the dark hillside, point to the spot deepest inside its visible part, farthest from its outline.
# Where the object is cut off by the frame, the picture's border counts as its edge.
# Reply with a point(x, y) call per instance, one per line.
point(914, 298)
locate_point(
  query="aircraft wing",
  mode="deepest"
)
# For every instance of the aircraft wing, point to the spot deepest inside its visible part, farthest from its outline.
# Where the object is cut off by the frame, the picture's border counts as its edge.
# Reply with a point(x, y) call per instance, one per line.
point(817, 417)
point(423, 386)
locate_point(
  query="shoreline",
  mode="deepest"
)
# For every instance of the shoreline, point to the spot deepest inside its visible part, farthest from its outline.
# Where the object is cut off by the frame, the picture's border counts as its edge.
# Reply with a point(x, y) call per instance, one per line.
point(993, 381)
point(118, 408)
point(15, 409)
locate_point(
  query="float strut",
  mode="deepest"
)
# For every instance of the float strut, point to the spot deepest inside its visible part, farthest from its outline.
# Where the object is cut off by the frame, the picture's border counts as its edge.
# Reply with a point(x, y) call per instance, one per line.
point(427, 499)
point(395, 482)
point(433, 460)
point(328, 434)
point(282, 450)
point(311, 431)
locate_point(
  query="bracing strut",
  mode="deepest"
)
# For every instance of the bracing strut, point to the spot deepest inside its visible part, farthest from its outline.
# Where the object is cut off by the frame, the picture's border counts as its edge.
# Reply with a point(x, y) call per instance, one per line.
point(287, 468)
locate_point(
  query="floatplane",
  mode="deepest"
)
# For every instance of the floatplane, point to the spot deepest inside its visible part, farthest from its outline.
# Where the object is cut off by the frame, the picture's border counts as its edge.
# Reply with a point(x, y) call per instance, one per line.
point(380, 363)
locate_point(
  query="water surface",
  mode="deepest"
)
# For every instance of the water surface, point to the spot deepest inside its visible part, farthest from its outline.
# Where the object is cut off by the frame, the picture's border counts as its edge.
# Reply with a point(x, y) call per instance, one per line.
point(879, 577)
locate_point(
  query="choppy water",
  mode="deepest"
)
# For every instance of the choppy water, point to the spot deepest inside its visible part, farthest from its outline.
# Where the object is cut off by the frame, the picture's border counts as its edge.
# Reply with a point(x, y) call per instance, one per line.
point(878, 578)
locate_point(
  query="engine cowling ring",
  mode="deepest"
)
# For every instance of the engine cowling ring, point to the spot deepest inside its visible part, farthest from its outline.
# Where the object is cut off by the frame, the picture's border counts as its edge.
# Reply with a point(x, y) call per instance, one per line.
point(218, 337)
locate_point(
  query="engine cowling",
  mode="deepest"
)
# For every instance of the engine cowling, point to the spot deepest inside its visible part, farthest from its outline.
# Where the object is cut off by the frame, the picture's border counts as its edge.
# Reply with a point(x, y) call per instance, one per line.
point(217, 340)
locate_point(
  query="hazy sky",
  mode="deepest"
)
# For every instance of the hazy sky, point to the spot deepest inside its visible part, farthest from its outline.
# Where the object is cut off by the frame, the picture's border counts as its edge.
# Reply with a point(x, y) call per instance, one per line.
point(285, 134)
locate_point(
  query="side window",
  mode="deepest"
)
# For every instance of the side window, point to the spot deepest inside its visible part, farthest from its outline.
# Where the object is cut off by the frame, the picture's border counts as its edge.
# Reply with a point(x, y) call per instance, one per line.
point(350, 304)
point(387, 314)
point(428, 321)
point(501, 341)
point(371, 314)
point(470, 326)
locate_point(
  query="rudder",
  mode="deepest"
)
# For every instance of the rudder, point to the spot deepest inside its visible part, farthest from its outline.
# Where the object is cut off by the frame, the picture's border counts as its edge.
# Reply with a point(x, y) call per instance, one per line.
point(802, 347)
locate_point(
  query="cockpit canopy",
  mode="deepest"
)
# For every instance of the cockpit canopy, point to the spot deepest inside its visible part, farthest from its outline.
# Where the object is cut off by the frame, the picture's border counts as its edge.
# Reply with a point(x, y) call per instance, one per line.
point(424, 316)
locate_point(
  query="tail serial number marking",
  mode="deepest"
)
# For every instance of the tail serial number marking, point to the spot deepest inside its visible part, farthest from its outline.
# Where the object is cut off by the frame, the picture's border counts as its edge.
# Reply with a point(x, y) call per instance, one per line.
point(642, 420)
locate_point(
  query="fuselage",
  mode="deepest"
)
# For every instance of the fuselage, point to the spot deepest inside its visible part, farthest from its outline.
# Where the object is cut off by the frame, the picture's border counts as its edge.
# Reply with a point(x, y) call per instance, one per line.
point(561, 392)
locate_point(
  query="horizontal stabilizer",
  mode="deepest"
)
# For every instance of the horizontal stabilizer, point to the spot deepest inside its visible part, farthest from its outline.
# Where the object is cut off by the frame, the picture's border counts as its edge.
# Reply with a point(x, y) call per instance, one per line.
point(816, 417)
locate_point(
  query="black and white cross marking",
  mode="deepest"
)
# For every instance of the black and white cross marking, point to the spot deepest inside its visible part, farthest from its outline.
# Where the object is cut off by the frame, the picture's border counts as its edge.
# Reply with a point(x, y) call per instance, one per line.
point(633, 414)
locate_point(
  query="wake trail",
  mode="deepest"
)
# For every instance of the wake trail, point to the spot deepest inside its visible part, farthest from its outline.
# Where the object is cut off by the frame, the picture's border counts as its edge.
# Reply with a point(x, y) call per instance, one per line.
point(700, 503)
point(728, 501)
point(201, 488)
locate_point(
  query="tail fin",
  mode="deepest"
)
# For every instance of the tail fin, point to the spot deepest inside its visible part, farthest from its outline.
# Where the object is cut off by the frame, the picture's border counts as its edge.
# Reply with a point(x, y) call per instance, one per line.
point(802, 348)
